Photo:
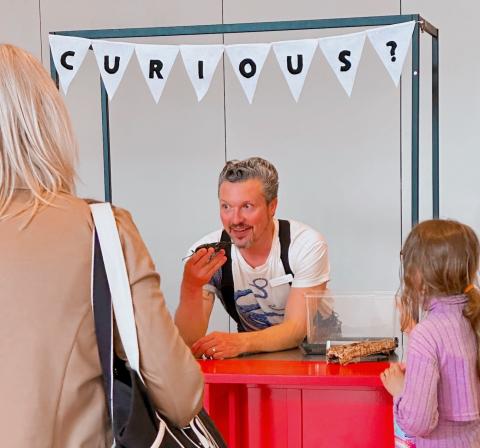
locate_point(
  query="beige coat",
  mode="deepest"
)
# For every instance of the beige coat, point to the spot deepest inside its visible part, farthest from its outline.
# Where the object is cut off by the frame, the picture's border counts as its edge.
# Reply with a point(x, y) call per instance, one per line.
point(51, 392)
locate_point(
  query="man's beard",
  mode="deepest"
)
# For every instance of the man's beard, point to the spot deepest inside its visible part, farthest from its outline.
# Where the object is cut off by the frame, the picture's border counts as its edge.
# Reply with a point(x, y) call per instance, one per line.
point(243, 243)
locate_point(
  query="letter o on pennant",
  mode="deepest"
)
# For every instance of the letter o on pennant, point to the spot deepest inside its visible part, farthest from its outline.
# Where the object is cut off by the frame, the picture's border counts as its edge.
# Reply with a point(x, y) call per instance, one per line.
point(243, 68)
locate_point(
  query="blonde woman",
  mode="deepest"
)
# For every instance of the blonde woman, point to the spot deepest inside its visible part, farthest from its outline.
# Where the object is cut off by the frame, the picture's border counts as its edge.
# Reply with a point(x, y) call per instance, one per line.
point(51, 381)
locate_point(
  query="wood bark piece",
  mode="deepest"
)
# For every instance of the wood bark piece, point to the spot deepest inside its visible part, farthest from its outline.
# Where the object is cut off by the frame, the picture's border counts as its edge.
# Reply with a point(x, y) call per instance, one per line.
point(347, 353)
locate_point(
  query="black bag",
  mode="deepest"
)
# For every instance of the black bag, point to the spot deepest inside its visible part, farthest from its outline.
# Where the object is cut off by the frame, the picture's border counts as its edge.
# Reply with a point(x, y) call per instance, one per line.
point(135, 422)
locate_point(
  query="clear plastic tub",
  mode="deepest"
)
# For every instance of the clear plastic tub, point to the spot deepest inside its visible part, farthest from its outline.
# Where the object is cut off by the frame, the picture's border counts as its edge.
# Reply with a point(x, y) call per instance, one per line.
point(350, 316)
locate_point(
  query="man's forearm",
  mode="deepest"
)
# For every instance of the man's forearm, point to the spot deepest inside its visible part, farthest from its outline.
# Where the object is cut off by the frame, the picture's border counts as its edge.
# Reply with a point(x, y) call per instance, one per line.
point(190, 315)
point(278, 337)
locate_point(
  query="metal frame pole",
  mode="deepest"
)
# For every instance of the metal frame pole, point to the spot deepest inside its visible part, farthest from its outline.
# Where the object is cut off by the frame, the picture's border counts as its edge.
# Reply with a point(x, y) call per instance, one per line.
point(241, 27)
point(415, 122)
point(107, 166)
point(435, 128)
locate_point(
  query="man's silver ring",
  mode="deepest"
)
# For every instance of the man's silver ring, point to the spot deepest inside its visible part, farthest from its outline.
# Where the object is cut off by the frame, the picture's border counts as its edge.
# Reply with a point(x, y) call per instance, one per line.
point(213, 350)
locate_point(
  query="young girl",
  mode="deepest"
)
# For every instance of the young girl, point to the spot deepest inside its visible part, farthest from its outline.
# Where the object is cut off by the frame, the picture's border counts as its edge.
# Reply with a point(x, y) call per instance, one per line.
point(437, 395)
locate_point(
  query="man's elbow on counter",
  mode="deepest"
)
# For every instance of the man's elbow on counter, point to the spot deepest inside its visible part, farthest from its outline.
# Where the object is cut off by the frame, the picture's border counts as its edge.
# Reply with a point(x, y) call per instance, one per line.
point(298, 333)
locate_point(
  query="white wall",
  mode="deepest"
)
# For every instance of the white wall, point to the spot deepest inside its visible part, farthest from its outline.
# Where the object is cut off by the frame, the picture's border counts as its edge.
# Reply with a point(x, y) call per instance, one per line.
point(338, 158)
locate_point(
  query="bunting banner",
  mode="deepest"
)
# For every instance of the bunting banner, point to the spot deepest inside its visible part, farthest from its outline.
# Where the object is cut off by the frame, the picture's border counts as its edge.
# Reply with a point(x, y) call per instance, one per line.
point(156, 62)
point(294, 57)
point(68, 54)
point(391, 44)
point(343, 53)
point(112, 60)
point(247, 62)
point(200, 63)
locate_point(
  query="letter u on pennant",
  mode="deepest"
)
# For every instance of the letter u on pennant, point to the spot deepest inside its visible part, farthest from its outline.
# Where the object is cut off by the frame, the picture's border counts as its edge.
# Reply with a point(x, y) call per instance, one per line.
point(112, 60)
point(294, 58)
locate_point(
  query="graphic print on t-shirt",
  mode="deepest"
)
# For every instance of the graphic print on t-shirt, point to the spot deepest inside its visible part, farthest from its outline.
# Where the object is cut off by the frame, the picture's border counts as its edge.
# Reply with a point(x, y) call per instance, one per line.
point(259, 296)
point(250, 309)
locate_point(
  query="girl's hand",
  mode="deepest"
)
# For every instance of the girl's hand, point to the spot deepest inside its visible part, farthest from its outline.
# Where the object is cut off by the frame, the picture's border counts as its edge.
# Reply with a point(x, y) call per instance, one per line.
point(393, 379)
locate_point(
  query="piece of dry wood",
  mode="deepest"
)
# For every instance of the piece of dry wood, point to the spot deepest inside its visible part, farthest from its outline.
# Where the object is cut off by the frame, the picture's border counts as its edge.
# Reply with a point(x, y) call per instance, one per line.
point(347, 353)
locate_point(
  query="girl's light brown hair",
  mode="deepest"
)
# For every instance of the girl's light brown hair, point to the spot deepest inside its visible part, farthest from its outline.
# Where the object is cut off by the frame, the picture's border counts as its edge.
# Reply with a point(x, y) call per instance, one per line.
point(38, 149)
point(440, 258)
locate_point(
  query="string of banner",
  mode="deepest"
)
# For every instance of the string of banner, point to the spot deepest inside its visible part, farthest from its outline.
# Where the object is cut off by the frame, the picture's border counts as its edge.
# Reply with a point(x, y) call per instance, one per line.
point(343, 53)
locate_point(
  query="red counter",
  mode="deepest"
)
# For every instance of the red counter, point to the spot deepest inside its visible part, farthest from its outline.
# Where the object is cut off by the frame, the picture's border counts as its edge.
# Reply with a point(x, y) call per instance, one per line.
point(269, 402)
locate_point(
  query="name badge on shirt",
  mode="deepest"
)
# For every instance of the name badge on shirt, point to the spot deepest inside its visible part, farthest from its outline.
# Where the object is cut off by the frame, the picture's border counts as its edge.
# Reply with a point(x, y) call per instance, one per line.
point(281, 280)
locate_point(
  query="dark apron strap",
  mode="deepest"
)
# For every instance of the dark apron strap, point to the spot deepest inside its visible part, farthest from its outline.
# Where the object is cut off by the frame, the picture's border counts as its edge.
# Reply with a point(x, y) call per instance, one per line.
point(227, 288)
point(284, 237)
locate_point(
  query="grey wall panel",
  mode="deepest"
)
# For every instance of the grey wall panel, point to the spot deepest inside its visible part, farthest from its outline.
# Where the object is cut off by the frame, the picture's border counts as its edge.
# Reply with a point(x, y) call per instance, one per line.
point(20, 25)
point(338, 158)
point(83, 101)
point(254, 11)
point(163, 156)
point(164, 162)
point(90, 14)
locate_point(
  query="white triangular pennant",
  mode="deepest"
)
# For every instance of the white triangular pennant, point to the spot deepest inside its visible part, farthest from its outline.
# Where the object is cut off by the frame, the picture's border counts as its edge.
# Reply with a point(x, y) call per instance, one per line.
point(200, 63)
point(343, 53)
point(112, 59)
point(391, 44)
point(156, 62)
point(247, 62)
point(294, 58)
point(68, 54)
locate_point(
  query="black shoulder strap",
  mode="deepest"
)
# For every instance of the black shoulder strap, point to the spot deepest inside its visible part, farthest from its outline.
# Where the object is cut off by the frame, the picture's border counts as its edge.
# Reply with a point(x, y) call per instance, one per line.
point(102, 313)
point(227, 289)
point(284, 237)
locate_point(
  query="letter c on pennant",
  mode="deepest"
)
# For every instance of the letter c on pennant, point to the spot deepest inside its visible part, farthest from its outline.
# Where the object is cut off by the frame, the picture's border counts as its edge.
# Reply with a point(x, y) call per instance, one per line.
point(63, 59)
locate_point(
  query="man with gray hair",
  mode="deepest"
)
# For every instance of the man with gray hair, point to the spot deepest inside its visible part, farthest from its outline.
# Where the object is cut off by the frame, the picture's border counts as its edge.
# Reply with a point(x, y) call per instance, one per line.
point(260, 274)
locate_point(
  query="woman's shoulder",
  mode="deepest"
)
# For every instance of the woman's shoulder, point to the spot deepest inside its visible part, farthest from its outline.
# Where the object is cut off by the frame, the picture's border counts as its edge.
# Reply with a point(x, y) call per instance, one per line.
point(128, 231)
point(122, 216)
point(135, 251)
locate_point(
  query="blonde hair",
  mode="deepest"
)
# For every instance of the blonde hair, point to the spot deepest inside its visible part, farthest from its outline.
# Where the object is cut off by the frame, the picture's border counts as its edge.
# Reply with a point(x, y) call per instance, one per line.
point(440, 258)
point(38, 150)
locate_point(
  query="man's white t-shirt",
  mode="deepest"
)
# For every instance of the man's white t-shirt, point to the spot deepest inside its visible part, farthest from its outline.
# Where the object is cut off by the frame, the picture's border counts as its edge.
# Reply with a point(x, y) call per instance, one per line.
point(261, 293)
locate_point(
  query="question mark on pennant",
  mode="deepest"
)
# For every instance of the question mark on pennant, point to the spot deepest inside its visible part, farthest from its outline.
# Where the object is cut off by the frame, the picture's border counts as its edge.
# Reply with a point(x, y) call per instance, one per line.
point(342, 57)
point(393, 46)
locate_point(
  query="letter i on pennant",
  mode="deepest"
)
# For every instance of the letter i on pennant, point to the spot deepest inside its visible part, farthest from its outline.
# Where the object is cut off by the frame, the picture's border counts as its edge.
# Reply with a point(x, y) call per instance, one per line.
point(200, 62)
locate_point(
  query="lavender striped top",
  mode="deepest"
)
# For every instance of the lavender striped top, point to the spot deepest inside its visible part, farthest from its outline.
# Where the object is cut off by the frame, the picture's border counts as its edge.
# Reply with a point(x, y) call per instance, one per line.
point(440, 403)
